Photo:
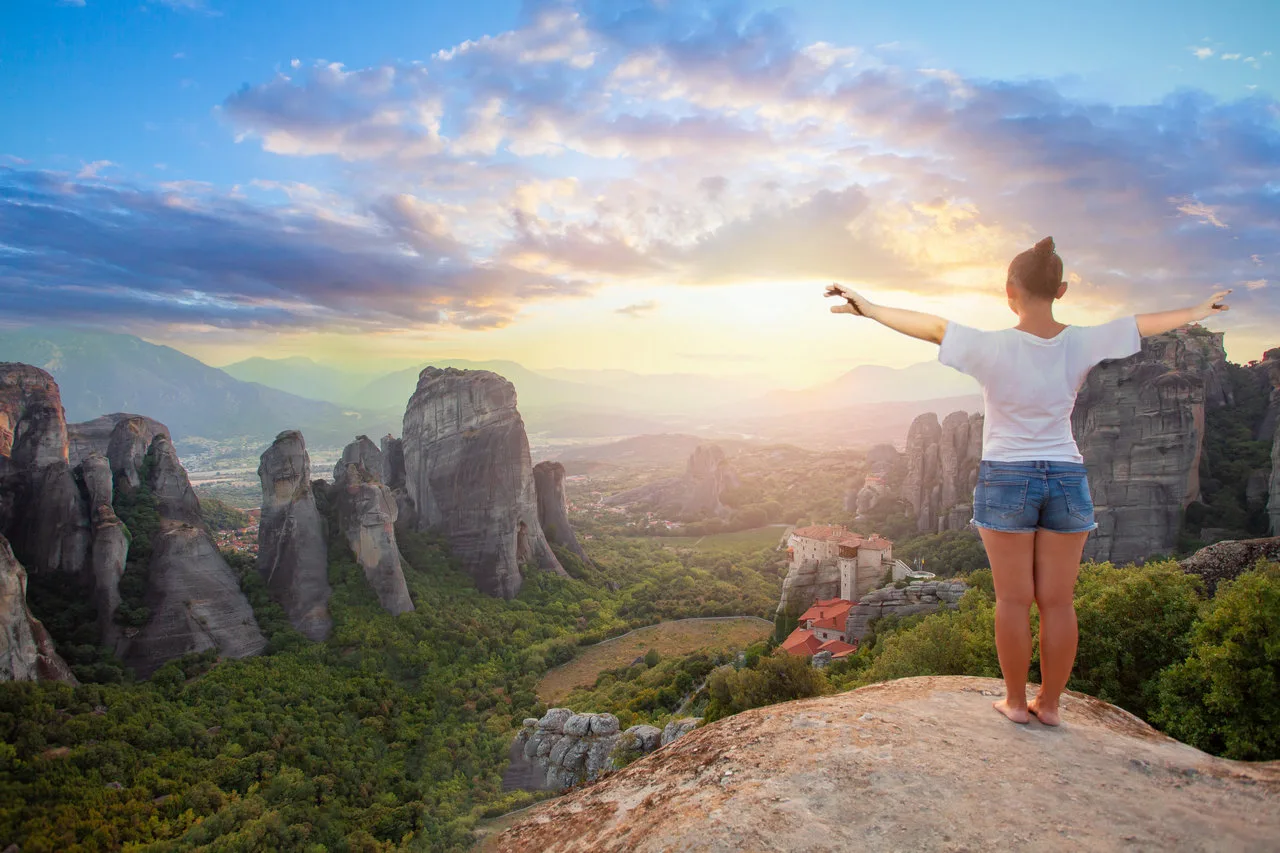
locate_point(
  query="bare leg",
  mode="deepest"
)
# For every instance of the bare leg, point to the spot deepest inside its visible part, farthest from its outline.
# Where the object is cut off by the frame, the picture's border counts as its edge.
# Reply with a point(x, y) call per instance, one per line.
point(1057, 562)
point(1011, 556)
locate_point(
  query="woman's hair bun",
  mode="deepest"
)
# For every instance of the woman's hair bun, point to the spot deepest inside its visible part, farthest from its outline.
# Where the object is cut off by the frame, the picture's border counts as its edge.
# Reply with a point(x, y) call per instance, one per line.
point(1044, 247)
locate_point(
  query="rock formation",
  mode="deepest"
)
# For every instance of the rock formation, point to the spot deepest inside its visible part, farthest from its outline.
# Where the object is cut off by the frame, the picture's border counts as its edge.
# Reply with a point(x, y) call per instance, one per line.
point(393, 475)
point(553, 509)
point(293, 557)
point(696, 495)
point(1139, 423)
point(565, 749)
point(912, 765)
point(26, 652)
point(863, 497)
point(942, 470)
point(1223, 561)
point(468, 472)
point(109, 548)
point(168, 481)
point(33, 430)
point(122, 438)
point(195, 602)
point(808, 582)
point(367, 514)
point(916, 597)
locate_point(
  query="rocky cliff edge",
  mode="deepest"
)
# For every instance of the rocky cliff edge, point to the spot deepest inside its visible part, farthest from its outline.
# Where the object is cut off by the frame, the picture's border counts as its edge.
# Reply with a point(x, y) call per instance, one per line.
point(916, 764)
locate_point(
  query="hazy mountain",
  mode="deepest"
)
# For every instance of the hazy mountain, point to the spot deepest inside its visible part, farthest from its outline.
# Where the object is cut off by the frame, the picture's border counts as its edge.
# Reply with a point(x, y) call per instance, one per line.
point(685, 393)
point(870, 383)
point(302, 376)
point(101, 373)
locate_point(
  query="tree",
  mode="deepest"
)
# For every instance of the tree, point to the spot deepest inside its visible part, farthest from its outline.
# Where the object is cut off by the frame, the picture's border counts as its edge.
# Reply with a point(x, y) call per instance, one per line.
point(1225, 696)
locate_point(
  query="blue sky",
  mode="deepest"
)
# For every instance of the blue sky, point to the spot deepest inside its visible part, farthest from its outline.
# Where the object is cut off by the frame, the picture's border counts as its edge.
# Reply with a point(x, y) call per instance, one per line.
point(296, 172)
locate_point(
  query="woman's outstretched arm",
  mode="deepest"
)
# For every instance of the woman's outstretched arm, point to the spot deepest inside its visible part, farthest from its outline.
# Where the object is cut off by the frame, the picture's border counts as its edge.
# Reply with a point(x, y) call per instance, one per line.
point(914, 324)
point(1164, 321)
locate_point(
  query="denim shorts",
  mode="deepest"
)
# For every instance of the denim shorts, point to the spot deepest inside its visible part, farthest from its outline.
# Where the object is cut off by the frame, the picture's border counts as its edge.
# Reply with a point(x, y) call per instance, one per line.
point(1022, 497)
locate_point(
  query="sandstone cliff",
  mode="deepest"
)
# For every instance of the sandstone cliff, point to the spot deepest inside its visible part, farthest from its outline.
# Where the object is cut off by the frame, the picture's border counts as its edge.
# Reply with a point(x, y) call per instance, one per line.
point(942, 470)
point(109, 548)
point(695, 495)
point(195, 603)
point(553, 509)
point(122, 438)
point(26, 652)
point(806, 583)
point(393, 475)
point(33, 430)
point(916, 764)
point(1139, 423)
point(293, 557)
point(367, 514)
point(468, 472)
point(168, 481)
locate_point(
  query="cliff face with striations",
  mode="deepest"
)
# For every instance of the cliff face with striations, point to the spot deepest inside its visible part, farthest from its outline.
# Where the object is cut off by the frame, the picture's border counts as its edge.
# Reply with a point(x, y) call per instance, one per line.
point(553, 511)
point(367, 514)
point(26, 652)
point(293, 558)
point(468, 472)
point(393, 476)
point(110, 545)
point(195, 602)
point(942, 470)
point(917, 597)
point(912, 765)
point(168, 481)
point(1139, 423)
point(1273, 503)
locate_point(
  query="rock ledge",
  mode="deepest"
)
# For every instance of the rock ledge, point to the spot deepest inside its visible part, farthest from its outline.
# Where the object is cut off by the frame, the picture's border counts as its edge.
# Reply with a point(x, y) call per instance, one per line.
point(916, 764)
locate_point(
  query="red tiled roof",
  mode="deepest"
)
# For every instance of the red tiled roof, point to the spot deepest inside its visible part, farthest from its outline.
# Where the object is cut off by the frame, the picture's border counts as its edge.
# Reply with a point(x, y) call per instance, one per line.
point(833, 623)
point(821, 531)
point(801, 642)
point(838, 648)
point(877, 543)
point(827, 608)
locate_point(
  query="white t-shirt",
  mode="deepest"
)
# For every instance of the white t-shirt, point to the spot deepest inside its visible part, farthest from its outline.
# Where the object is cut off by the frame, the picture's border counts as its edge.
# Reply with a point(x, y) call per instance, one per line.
point(1029, 383)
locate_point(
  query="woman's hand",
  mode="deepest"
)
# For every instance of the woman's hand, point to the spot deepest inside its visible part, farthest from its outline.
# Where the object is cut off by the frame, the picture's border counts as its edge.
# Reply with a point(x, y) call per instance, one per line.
point(1213, 305)
point(854, 303)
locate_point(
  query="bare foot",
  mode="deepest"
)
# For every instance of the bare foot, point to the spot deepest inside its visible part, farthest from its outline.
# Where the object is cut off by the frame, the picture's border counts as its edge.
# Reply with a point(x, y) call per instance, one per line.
point(1018, 715)
point(1048, 716)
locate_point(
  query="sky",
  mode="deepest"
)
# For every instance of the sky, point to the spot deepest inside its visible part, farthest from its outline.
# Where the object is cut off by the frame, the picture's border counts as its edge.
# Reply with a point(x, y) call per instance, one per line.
point(649, 185)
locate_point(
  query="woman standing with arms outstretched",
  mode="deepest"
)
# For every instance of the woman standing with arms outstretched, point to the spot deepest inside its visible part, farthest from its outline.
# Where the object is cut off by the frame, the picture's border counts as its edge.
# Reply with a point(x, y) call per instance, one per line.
point(1032, 505)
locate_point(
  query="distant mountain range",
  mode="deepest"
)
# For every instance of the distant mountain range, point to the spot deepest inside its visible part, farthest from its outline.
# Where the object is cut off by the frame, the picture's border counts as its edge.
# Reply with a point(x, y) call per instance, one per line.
point(258, 397)
point(101, 373)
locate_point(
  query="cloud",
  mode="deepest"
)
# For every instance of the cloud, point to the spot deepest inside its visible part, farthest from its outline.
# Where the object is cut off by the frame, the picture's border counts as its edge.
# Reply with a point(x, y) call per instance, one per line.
point(638, 310)
point(1201, 52)
point(1256, 284)
point(182, 253)
point(79, 3)
point(91, 170)
point(1233, 56)
point(1196, 210)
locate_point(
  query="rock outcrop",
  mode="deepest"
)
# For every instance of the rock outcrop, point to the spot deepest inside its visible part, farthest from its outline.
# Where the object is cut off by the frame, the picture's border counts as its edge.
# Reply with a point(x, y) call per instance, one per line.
point(1223, 561)
point(942, 470)
point(696, 495)
point(564, 749)
point(168, 481)
point(1139, 423)
point(33, 429)
point(26, 652)
point(912, 765)
point(367, 513)
point(808, 582)
point(122, 438)
point(915, 597)
point(195, 602)
point(1273, 502)
point(293, 557)
point(862, 498)
point(468, 472)
point(109, 548)
point(553, 509)
point(393, 476)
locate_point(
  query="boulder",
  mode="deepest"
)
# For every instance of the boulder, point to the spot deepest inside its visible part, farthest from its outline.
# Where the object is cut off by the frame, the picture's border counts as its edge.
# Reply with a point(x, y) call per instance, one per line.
point(922, 758)
point(1224, 561)
point(367, 514)
point(553, 508)
point(26, 651)
point(563, 749)
point(293, 557)
point(677, 729)
point(468, 471)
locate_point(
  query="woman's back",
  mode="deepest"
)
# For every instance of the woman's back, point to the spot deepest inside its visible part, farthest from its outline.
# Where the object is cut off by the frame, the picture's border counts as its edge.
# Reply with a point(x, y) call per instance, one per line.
point(1029, 383)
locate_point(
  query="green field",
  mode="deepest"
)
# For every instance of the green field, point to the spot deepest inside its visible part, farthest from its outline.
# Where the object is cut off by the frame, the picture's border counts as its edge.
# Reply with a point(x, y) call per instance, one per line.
point(677, 637)
point(741, 540)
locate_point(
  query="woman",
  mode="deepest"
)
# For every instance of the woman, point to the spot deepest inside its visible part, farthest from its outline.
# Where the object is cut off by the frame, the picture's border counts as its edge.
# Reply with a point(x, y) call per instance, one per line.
point(1032, 505)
